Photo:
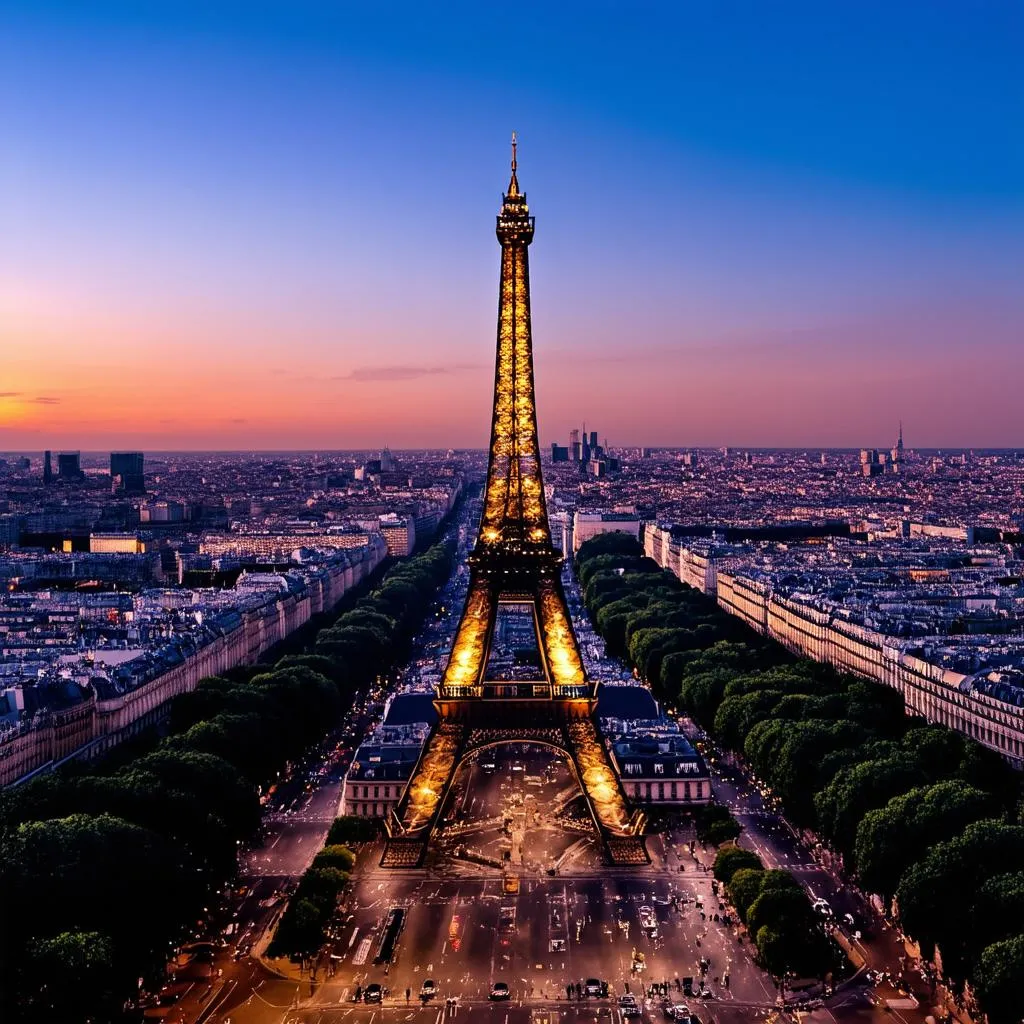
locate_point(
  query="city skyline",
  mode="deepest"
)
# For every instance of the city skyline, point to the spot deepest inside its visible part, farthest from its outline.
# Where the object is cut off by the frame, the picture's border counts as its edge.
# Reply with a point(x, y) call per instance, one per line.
point(265, 233)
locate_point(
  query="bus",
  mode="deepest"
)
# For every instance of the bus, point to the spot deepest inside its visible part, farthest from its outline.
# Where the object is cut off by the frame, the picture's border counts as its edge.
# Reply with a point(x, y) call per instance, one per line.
point(389, 937)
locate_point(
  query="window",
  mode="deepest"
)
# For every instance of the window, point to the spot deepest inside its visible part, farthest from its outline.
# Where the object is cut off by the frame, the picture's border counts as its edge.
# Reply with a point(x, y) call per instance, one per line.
point(659, 768)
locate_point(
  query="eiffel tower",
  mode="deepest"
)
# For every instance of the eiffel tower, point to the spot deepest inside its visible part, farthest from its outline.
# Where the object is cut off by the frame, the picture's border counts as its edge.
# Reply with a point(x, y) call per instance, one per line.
point(514, 563)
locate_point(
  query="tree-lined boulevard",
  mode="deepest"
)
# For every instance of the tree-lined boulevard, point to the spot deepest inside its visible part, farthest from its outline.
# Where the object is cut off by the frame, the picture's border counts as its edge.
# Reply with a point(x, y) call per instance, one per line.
point(582, 922)
point(107, 867)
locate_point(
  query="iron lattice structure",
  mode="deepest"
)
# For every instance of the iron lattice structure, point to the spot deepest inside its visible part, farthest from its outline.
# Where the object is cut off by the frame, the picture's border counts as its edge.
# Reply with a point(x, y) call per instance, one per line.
point(514, 561)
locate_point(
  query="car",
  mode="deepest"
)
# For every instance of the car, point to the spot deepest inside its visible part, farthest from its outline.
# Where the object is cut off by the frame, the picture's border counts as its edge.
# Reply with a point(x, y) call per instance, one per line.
point(648, 921)
point(628, 1006)
point(822, 907)
point(592, 986)
point(499, 991)
point(428, 989)
point(372, 993)
point(678, 1012)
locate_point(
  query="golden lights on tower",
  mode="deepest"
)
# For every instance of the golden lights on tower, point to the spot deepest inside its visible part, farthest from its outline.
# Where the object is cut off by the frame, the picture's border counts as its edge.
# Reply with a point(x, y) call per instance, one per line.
point(514, 561)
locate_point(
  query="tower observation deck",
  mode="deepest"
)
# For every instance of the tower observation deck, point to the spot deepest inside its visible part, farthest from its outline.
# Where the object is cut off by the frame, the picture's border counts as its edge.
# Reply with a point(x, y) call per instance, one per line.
point(514, 563)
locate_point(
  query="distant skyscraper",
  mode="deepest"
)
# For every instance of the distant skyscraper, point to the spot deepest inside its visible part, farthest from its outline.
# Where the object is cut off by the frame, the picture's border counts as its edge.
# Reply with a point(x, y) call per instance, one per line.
point(559, 453)
point(593, 440)
point(897, 451)
point(47, 468)
point(126, 472)
point(575, 452)
point(69, 466)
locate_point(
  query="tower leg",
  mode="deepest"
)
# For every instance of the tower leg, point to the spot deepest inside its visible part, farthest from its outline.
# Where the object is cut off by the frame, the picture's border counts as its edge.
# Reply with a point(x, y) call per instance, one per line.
point(620, 831)
point(410, 825)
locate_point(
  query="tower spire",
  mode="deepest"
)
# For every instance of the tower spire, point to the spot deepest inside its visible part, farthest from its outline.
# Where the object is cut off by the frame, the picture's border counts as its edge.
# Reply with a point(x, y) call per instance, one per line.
point(513, 185)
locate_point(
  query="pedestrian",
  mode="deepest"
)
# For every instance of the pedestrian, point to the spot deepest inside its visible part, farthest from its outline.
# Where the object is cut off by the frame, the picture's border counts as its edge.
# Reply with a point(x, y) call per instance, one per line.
point(408, 994)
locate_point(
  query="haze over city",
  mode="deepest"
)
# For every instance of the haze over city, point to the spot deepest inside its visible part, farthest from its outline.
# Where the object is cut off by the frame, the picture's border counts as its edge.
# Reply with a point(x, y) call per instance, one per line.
point(266, 225)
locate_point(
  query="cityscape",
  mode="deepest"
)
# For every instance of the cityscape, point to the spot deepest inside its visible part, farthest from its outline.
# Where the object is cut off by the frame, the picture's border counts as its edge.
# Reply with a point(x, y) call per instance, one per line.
point(348, 681)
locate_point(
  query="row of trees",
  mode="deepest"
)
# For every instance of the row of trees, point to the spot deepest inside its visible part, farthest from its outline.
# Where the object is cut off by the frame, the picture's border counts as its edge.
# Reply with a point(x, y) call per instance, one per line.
point(778, 915)
point(303, 926)
point(105, 867)
point(918, 812)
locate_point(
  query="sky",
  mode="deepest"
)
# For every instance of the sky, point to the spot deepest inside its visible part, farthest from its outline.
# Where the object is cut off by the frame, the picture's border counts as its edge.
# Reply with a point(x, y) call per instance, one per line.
point(271, 225)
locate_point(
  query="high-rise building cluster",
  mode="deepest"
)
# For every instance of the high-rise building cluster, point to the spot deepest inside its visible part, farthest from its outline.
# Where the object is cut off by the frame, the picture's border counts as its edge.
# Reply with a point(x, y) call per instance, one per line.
point(587, 454)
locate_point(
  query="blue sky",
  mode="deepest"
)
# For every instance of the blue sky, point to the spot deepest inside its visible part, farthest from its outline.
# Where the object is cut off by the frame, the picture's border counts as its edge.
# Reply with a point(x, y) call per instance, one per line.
point(774, 224)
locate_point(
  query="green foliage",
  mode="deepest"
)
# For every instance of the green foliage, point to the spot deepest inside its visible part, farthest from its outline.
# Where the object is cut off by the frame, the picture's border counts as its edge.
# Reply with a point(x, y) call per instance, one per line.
point(743, 888)
point(300, 932)
point(335, 856)
point(890, 838)
point(731, 859)
point(904, 802)
point(351, 830)
point(102, 866)
point(783, 908)
point(858, 789)
point(997, 981)
point(716, 825)
point(937, 896)
point(302, 928)
point(71, 976)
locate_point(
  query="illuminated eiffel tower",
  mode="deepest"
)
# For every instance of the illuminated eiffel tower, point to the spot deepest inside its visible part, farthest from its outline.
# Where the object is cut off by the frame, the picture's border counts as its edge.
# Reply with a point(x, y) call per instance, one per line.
point(514, 563)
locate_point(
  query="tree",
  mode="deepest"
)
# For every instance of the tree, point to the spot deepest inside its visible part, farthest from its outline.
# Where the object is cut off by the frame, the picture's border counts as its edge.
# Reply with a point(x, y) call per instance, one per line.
point(776, 878)
point(997, 981)
point(858, 789)
point(731, 859)
point(773, 951)
point(890, 838)
point(782, 908)
point(250, 742)
point(104, 875)
point(739, 713)
point(716, 825)
point(957, 866)
point(335, 856)
point(999, 908)
point(71, 977)
point(701, 694)
point(744, 887)
point(300, 932)
point(352, 830)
